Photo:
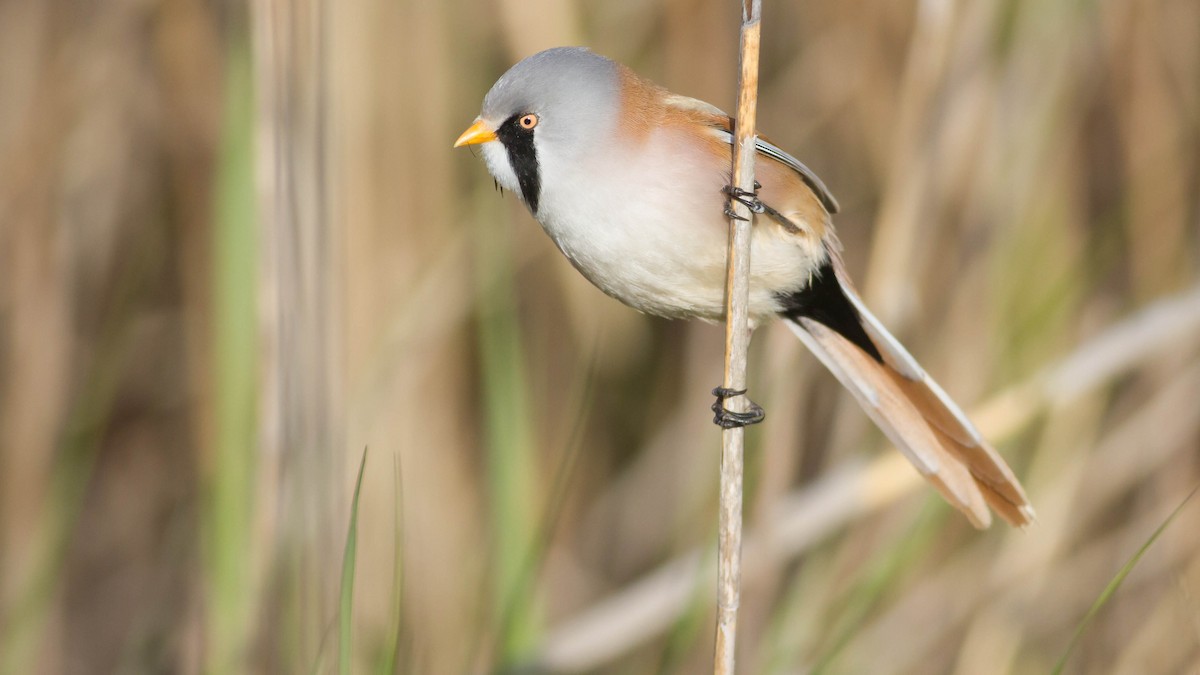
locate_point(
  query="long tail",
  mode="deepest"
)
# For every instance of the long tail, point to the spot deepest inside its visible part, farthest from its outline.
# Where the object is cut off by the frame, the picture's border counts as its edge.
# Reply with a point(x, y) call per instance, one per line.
point(910, 408)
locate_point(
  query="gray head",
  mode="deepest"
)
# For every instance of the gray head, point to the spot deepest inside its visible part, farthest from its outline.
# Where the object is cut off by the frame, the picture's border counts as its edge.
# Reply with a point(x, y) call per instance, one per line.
point(544, 111)
point(564, 82)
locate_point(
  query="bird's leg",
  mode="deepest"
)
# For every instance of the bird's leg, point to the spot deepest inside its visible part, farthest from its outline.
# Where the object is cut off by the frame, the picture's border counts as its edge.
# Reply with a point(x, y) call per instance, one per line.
point(727, 419)
point(724, 418)
point(749, 199)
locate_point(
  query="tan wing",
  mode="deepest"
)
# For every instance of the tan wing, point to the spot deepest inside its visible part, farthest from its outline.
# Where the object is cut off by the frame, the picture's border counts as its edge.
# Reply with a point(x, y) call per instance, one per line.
point(700, 112)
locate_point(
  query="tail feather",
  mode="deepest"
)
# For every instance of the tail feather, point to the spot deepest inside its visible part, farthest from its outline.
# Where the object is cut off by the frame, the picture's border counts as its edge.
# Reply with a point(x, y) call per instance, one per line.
point(914, 413)
point(887, 405)
point(1004, 496)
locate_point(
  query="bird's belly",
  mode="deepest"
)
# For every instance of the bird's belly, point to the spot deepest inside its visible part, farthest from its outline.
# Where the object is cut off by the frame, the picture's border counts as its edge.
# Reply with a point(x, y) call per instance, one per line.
point(655, 254)
point(639, 263)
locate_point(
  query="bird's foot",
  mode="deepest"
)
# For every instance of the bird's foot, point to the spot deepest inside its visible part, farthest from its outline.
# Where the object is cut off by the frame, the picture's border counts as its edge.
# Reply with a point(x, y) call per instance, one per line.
point(727, 419)
point(749, 199)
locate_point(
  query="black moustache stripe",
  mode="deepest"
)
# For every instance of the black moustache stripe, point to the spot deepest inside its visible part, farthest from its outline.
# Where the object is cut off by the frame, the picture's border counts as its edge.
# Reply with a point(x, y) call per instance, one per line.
point(522, 156)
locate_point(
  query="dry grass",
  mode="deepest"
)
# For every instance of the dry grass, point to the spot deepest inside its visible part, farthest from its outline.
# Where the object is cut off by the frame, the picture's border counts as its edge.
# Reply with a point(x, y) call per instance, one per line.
point(197, 342)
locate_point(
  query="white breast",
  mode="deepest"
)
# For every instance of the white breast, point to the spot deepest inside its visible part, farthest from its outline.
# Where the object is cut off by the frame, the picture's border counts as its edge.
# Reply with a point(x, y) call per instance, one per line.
point(651, 232)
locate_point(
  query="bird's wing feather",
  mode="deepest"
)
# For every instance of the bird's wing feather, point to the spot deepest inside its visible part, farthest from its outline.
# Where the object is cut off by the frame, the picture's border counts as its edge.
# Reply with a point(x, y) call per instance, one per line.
point(716, 119)
point(773, 151)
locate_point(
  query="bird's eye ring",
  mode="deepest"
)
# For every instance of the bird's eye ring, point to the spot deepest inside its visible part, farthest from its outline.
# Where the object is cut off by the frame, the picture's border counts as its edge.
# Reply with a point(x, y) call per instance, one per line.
point(528, 121)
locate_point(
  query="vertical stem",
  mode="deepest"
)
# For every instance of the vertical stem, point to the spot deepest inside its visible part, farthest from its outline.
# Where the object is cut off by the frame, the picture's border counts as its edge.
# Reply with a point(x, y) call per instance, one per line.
point(297, 490)
point(737, 343)
point(511, 465)
point(229, 478)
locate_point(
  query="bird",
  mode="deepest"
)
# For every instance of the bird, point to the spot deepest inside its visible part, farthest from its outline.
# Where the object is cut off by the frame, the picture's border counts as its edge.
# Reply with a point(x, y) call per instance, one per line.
point(632, 183)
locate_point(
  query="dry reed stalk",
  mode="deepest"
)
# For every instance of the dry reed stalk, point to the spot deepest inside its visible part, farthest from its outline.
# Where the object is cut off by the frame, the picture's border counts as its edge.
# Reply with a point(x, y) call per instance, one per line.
point(906, 199)
point(737, 343)
point(299, 484)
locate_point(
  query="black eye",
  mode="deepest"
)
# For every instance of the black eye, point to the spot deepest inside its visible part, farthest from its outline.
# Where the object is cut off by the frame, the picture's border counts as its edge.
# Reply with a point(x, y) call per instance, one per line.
point(528, 122)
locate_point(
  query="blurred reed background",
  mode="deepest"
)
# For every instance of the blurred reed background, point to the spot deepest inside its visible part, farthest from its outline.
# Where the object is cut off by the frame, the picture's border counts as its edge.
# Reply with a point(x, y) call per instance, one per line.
point(237, 250)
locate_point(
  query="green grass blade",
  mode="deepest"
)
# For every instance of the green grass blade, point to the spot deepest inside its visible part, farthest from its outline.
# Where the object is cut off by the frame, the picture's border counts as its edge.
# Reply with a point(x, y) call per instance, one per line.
point(583, 391)
point(1115, 584)
point(228, 513)
point(346, 595)
point(512, 471)
point(25, 620)
point(387, 664)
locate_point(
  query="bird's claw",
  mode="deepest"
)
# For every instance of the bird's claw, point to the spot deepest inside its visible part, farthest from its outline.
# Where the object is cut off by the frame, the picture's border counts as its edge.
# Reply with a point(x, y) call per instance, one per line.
point(746, 198)
point(727, 419)
point(730, 214)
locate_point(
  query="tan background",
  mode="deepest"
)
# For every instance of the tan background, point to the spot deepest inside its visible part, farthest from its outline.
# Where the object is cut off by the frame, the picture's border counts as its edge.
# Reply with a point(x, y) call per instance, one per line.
point(236, 249)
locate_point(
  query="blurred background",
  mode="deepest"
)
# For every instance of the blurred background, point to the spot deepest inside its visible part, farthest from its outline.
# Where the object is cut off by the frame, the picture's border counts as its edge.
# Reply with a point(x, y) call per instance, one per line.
point(238, 257)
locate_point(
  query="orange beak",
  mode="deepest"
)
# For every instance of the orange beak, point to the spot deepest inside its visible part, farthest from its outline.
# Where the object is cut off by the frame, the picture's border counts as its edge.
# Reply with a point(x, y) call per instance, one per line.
point(479, 132)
